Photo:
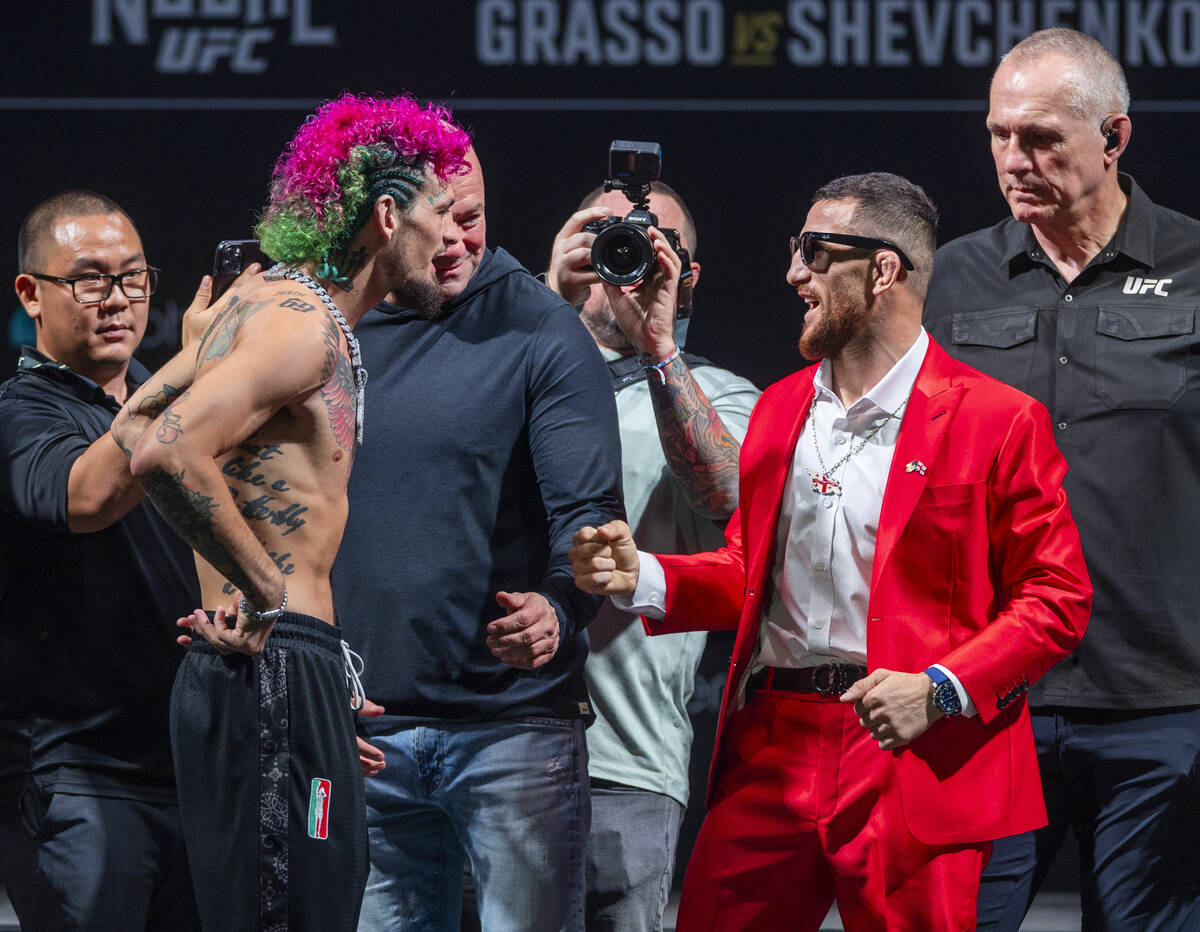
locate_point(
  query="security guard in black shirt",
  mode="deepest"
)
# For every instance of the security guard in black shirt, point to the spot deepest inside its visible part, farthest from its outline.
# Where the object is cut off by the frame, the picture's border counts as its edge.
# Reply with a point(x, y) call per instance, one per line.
point(1086, 298)
point(91, 582)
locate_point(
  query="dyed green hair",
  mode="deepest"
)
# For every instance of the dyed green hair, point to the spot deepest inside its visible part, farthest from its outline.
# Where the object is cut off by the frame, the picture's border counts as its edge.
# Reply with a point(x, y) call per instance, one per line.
point(350, 153)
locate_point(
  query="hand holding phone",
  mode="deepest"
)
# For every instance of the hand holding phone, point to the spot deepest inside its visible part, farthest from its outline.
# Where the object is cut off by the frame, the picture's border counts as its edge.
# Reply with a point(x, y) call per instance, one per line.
point(230, 260)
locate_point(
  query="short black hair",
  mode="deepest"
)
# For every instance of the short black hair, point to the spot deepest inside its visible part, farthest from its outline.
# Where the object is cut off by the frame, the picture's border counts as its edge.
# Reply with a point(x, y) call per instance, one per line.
point(890, 207)
point(39, 223)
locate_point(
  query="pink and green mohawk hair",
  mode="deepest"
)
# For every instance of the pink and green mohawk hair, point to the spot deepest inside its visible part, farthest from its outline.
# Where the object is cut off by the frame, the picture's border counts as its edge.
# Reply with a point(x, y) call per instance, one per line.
point(343, 158)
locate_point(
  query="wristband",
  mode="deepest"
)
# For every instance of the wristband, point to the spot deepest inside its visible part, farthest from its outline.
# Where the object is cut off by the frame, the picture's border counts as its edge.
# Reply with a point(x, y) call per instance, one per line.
point(660, 367)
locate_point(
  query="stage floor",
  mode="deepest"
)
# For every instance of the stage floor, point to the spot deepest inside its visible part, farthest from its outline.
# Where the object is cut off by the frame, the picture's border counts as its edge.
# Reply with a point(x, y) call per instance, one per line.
point(1051, 912)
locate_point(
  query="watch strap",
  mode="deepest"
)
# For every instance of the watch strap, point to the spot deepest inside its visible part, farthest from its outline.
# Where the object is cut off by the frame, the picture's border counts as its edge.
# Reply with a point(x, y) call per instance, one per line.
point(945, 695)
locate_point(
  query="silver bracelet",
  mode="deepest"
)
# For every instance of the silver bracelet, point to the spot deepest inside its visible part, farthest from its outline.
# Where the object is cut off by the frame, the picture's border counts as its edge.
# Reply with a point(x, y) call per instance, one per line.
point(660, 367)
point(245, 609)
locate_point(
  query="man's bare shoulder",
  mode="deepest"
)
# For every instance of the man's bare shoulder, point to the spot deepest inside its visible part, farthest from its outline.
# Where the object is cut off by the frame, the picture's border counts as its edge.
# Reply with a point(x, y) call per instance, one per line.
point(280, 315)
point(279, 329)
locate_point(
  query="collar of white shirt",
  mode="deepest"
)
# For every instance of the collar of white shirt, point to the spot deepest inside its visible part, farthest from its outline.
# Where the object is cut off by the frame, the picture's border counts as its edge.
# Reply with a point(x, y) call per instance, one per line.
point(889, 392)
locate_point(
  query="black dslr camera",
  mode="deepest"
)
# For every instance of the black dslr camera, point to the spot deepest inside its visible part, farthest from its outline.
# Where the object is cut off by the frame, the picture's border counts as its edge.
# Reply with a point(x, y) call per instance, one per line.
point(622, 253)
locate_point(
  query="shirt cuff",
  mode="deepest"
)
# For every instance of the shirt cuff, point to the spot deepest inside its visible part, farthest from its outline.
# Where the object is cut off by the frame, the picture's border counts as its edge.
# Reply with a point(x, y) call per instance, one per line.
point(968, 707)
point(650, 596)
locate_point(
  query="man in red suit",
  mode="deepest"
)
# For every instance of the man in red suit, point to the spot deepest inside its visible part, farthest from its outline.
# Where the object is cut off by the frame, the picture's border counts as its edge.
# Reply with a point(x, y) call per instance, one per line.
point(902, 566)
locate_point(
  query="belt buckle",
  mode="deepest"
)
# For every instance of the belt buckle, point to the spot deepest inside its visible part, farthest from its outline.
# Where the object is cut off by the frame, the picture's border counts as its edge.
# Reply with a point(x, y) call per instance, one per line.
point(831, 679)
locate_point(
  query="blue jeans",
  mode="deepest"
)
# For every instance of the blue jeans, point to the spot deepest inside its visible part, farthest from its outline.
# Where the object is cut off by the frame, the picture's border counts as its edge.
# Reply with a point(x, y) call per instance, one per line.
point(631, 857)
point(511, 796)
point(1127, 784)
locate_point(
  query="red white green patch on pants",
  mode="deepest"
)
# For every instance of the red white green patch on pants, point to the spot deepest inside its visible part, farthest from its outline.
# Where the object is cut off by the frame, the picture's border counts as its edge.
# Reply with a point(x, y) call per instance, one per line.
point(318, 808)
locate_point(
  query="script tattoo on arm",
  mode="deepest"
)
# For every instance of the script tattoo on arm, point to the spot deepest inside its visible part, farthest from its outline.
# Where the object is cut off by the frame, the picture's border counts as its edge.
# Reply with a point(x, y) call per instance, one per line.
point(190, 513)
point(170, 425)
point(701, 452)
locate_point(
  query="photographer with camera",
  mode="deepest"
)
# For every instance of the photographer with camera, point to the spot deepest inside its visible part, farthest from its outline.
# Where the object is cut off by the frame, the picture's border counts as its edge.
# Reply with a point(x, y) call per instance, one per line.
point(682, 420)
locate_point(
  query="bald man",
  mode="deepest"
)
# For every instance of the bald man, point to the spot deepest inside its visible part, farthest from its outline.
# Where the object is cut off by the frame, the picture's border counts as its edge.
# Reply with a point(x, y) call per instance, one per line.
point(497, 433)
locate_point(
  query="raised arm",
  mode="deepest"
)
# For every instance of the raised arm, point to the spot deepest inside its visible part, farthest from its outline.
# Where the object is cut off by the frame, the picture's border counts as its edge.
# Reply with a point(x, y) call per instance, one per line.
point(257, 358)
point(100, 489)
point(147, 404)
point(698, 446)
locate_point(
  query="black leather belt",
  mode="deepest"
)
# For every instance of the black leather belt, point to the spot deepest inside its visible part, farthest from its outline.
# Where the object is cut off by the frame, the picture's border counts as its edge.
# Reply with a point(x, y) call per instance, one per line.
point(829, 679)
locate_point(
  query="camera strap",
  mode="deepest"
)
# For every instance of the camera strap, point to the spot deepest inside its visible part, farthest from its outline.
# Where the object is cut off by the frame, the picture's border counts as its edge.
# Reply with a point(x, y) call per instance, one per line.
point(628, 370)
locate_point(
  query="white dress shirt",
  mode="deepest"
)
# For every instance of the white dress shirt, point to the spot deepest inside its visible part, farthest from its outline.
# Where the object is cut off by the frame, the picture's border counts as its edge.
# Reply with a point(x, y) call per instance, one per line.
point(825, 543)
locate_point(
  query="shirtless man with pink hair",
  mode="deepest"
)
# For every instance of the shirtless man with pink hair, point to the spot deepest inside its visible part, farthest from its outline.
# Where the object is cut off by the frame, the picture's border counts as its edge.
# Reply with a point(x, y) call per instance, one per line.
point(244, 443)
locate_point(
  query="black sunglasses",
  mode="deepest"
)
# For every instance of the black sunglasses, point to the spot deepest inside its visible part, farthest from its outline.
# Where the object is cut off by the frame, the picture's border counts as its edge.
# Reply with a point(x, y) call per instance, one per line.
point(806, 243)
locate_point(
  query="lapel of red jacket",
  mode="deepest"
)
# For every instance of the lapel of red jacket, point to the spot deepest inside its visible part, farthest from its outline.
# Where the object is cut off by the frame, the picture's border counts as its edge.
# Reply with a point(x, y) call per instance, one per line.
point(931, 408)
point(773, 455)
point(766, 462)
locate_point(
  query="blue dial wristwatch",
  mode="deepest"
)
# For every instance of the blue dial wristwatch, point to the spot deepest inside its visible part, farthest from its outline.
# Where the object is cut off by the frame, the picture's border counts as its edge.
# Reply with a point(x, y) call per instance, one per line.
point(945, 696)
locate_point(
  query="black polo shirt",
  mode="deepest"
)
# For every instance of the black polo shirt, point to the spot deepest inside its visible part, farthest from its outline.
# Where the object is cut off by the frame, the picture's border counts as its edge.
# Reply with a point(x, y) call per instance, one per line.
point(87, 621)
point(1115, 356)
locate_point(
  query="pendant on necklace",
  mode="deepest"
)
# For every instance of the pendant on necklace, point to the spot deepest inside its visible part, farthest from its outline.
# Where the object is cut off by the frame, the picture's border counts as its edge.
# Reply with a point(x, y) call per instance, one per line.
point(824, 485)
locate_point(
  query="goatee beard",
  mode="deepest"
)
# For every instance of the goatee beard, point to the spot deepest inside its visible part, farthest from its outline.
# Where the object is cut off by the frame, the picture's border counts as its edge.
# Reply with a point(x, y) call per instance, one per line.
point(425, 298)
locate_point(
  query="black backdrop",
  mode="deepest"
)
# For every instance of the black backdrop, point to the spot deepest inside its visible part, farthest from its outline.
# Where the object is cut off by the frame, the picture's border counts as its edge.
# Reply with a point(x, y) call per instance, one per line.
point(177, 109)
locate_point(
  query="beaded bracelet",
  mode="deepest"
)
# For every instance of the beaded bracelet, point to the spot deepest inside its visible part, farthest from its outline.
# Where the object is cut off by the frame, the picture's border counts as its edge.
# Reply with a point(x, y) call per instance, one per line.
point(660, 367)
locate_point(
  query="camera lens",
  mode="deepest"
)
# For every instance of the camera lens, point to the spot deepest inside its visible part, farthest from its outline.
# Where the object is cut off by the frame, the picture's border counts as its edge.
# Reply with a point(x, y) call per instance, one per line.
point(231, 260)
point(622, 254)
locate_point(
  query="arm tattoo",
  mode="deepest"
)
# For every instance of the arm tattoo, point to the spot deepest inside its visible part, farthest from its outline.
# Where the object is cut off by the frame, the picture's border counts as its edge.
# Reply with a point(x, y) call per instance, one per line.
point(155, 404)
point(338, 395)
point(170, 427)
point(190, 513)
point(219, 339)
point(701, 452)
point(333, 345)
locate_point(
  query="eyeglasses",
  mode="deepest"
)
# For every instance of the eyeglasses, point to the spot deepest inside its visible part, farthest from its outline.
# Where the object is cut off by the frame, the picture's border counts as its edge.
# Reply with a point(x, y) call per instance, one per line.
point(806, 243)
point(95, 287)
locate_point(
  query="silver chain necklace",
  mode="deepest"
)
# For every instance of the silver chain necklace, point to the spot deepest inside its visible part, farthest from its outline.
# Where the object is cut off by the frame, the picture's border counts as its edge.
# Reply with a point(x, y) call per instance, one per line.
point(279, 271)
point(823, 482)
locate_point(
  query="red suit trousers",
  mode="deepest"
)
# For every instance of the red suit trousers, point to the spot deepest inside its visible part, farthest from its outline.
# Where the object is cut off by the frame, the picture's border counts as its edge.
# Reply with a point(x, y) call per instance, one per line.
point(805, 811)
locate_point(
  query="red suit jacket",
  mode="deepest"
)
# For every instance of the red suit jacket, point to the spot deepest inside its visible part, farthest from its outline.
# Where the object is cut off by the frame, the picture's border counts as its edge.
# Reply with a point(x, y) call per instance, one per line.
point(977, 566)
